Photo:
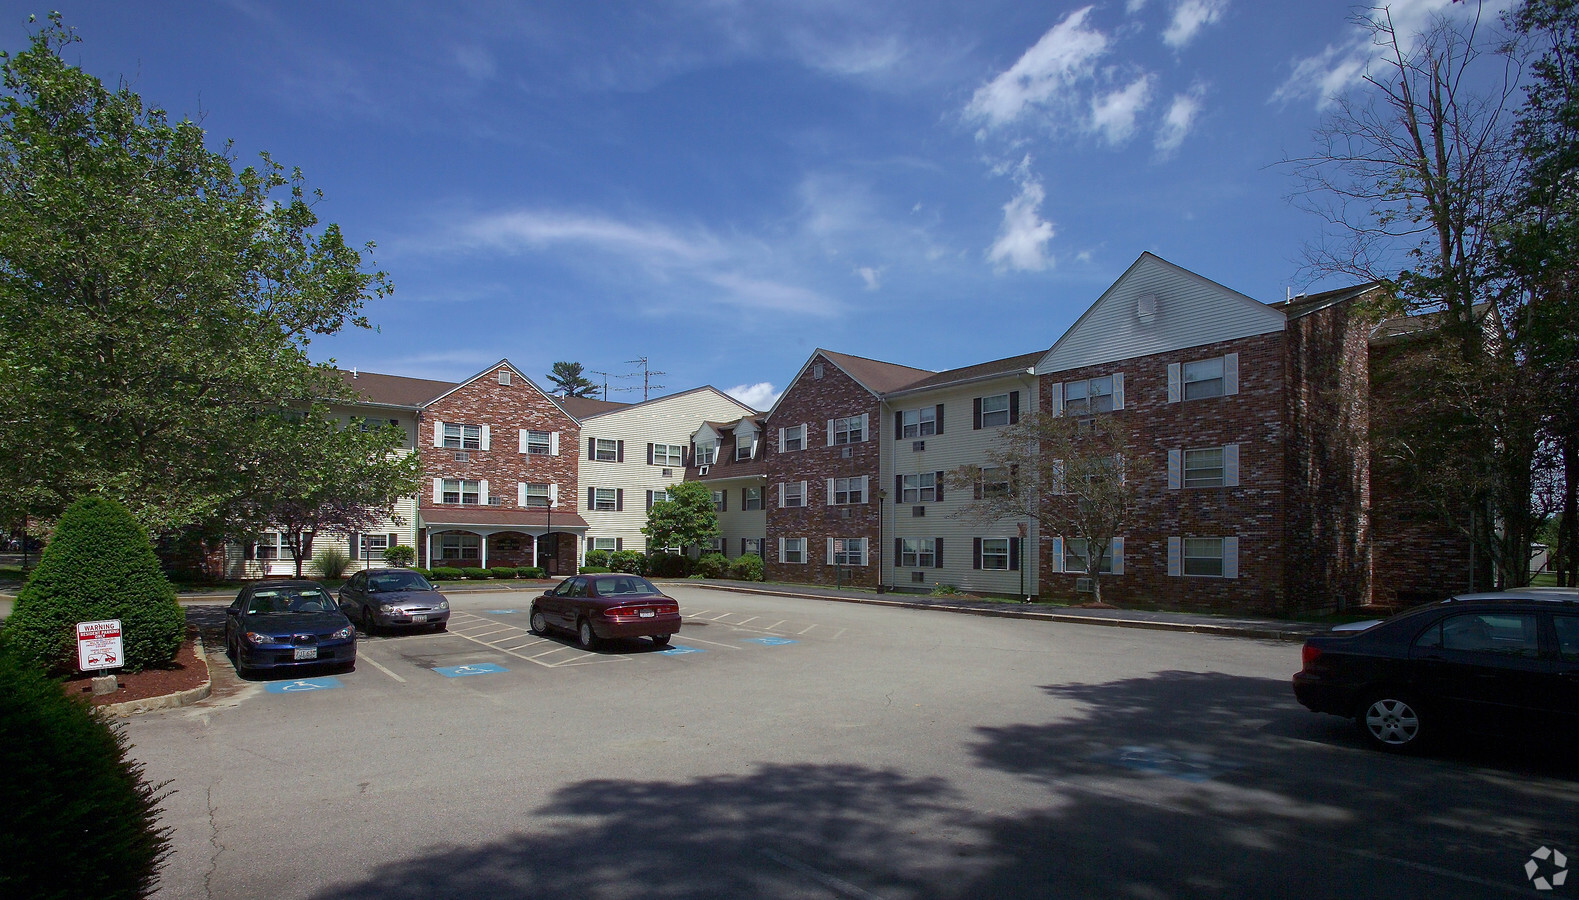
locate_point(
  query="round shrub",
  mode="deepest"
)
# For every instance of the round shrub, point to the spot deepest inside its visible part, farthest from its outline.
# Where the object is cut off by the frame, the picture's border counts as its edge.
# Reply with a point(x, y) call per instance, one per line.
point(447, 573)
point(593, 570)
point(747, 568)
point(99, 565)
point(475, 573)
point(400, 555)
point(667, 565)
point(503, 571)
point(627, 561)
point(529, 572)
point(79, 819)
point(712, 565)
point(597, 557)
point(331, 562)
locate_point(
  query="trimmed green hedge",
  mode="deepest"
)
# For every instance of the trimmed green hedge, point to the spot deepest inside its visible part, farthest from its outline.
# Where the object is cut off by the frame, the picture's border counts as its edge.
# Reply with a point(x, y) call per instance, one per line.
point(448, 573)
point(529, 572)
point(504, 571)
point(593, 570)
point(475, 573)
point(79, 819)
point(99, 565)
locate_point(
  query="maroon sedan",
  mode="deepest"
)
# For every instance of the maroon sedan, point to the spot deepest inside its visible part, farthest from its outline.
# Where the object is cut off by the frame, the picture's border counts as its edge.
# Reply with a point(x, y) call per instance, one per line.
point(604, 607)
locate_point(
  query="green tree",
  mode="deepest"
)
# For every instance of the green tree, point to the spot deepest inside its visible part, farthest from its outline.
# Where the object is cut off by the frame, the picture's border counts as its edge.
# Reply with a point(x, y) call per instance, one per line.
point(313, 475)
point(153, 298)
point(686, 519)
point(1076, 478)
point(98, 565)
point(569, 382)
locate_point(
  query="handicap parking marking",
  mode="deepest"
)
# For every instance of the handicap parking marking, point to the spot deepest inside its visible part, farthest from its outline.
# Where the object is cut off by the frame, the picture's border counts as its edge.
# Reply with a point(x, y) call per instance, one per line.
point(500, 612)
point(680, 650)
point(473, 669)
point(303, 685)
point(771, 641)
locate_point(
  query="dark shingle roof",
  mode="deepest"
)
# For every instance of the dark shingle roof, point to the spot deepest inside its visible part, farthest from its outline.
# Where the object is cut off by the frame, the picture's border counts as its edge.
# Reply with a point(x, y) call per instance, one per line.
point(1008, 366)
point(393, 390)
point(582, 407)
point(875, 375)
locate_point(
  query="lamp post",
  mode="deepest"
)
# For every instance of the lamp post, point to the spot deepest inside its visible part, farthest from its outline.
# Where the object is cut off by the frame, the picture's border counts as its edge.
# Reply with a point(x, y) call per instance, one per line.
point(548, 531)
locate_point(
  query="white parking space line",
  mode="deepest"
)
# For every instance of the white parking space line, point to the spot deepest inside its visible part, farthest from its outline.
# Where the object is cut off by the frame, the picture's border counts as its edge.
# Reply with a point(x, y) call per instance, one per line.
point(504, 639)
point(689, 639)
point(748, 621)
point(808, 628)
point(361, 656)
point(775, 625)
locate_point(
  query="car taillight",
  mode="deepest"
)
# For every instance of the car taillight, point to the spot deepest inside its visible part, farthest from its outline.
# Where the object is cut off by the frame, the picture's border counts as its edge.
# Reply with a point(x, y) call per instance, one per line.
point(619, 611)
point(1309, 655)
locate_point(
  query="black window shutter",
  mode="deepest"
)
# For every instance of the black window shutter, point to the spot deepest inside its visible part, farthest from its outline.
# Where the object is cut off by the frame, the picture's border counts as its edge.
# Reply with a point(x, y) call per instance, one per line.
point(649, 501)
point(978, 488)
point(619, 451)
point(742, 546)
point(940, 418)
point(723, 501)
point(937, 478)
point(649, 454)
point(1014, 554)
point(356, 551)
point(899, 424)
point(619, 543)
point(976, 413)
point(592, 448)
point(619, 499)
point(899, 488)
point(975, 558)
point(1014, 407)
point(592, 497)
point(685, 456)
point(937, 553)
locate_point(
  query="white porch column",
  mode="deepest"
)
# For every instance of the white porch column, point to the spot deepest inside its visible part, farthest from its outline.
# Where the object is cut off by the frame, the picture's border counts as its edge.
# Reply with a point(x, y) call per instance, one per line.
point(429, 539)
point(482, 549)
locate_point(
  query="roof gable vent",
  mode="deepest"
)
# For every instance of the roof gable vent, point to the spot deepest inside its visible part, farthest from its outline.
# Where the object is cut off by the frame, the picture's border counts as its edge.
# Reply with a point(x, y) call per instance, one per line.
point(1146, 307)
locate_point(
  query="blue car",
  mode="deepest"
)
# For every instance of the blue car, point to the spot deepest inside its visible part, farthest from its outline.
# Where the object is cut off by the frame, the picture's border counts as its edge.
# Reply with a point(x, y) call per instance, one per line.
point(275, 625)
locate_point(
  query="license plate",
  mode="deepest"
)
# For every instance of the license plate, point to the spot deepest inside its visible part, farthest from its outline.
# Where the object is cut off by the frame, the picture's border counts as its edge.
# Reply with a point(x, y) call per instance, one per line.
point(306, 652)
point(647, 613)
point(419, 618)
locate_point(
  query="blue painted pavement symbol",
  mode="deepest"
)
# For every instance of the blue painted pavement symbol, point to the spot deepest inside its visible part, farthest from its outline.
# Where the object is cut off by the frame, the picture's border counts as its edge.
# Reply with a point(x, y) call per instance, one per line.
point(303, 685)
point(473, 669)
point(680, 649)
point(1184, 765)
point(500, 612)
point(771, 641)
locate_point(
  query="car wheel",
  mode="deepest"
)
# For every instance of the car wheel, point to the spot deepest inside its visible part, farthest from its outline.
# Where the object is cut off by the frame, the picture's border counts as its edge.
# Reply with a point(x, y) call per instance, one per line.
point(584, 634)
point(230, 647)
point(1391, 721)
point(539, 622)
point(661, 640)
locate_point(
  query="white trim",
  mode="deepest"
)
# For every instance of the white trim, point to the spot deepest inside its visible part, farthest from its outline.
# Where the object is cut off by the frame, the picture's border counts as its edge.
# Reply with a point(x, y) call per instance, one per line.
point(781, 550)
point(830, 492)
point(1230, 465)
point(520, 494)
point(553, 443)
point(482, 492)
point(1175, 557)
point(1175, 382)
point(1116, 556)
point(487, 440)
point(1175, 469)
point(1118, 390)
point(830, 551)
point(830, 433)
point(1058, 398)
point(438, 434)
point(520, 438)
point(1230, 373)
point(1057, 487)
point(1058, 555)
point(553, 494)
point(866, 428)
point(781, 440)
point(1230, 557)
point(438, 490)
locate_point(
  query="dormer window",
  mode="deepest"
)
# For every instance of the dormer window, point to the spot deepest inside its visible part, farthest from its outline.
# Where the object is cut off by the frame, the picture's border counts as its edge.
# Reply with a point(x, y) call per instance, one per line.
point(706, 453)
point(743, 446)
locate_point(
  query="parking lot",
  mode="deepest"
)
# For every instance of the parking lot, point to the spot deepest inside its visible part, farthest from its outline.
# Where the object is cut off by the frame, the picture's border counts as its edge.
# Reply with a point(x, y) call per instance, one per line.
point(794, 748)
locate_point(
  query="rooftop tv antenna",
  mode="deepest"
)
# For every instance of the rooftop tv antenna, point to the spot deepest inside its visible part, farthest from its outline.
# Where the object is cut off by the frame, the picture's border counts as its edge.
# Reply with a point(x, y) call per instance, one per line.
point(646, 376)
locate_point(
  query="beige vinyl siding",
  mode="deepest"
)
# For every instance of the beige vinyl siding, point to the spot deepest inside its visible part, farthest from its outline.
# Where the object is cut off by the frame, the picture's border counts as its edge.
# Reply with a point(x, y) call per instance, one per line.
point(667, 420)
point(736, 521)
point(959, 444)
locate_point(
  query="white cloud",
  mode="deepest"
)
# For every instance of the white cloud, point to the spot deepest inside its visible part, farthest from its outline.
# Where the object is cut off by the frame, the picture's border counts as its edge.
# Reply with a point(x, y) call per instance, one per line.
point(1178, 121)
point(872, 277)
point(1022, 241)
point(1043, 75)
point(760, 294)
point(476, 62)
point(760, 396)
point(1189, 17)
point(1113, 114)
point(1134, 6)
point(534, 229)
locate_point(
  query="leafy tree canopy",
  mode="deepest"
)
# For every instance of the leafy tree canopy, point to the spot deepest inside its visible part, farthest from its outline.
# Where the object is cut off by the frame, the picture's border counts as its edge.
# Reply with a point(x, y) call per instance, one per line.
point(155, 300)
point(686, 519)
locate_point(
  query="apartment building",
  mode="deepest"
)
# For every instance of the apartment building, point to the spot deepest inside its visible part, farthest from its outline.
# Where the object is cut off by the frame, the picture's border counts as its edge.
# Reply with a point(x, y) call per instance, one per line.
point(730, 458)
point(632, 454)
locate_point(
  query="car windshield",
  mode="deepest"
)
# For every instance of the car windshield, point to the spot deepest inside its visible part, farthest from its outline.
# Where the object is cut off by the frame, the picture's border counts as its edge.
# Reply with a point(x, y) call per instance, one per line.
point(398, 581)
point(294, 600)
point(614, 587)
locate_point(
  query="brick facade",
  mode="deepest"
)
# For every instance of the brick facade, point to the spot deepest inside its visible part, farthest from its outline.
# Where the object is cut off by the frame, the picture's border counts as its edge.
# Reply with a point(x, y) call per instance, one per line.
point(811, 401)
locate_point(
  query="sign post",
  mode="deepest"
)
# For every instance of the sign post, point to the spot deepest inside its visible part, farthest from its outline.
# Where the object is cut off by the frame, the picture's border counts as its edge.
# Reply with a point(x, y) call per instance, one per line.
point(99, 649)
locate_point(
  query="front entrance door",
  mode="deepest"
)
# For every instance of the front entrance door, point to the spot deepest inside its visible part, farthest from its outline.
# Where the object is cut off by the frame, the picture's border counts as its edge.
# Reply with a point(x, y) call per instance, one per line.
point(547, 553)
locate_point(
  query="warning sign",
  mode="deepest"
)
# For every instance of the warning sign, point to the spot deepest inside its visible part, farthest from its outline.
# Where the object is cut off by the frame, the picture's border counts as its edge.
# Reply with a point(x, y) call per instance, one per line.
point(99, 645)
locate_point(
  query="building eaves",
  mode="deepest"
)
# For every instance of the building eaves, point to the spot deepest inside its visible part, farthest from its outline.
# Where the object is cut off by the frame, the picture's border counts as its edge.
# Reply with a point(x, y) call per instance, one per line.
point(619, 407)
point(1306, 304)
point(875, 375)
point(392, 390)
point(998, 368)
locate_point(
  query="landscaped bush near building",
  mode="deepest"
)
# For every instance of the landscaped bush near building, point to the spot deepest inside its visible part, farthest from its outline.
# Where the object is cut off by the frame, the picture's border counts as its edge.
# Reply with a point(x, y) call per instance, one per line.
point(475, 573)
point(99, 565)
point(503, 571)
point(529, 572)
point(400, 555)
point(628, 561)
point(425, 573)
point(747, 568)
point(667, 565)
point(331, 562)
point(79, 819)
point(447, 573)
point(597, 557)
point(713, 565)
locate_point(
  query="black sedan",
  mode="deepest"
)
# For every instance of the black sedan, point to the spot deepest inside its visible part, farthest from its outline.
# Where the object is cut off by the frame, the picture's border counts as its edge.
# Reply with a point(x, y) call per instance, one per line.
point(286, 625)
point(393, 598)
point(1505, 663)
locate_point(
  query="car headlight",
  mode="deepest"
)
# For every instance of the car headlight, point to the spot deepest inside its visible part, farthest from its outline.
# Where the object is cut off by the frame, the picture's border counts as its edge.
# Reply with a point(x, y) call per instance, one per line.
point(254, 637)
point(444, 604)
point(347, 631)
point(391, 610)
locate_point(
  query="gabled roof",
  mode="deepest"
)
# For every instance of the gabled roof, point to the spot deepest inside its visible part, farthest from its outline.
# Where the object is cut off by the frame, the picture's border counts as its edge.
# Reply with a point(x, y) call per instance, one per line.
point(1305, 304)
point(875, 375)
point(587, 407)
point(517, 373)
point(1012, 365)
point(393, 390)
point(617, 407)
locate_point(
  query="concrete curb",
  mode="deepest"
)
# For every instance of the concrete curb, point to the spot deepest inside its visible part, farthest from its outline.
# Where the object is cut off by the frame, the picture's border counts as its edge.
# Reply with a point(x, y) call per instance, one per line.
point(1269, 633)
point(167, 701)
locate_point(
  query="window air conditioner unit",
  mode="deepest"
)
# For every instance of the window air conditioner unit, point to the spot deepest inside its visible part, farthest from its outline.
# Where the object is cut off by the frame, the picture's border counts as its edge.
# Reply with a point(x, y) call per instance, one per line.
point(702, 470)
point(1083, 585)
point(844, 452)
point(668, 473)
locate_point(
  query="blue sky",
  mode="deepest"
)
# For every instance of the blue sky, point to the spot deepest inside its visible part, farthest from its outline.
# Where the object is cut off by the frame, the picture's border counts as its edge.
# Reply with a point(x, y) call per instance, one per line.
point(723, 186)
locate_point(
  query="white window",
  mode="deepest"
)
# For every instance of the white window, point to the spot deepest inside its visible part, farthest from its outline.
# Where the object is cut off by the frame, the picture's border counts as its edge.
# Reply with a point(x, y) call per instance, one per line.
point(668, 455)
point(1076, 557)
point(794, 493)
point(604, 499)
point(751, 545)
point(742, 446)
point(598, 543)
point(920, 488)
point(718, 501)
point(917, 553)
point(1203, 468)
point(795, 438)
point(462, 437)
point(706, 453)
point(995, 410)
point(1203, 556)
point(375, 544)
point(1091, 396)
point(504, 376)
point(995, 553)
point(657, 497)
point(715, 545)
point(605, 450)
point(1203, 378)
point(751, 498)
point(849, 490)
point(271, 546)
point(537, 443)
point(914, 423)
point(996, 481)
point(461, 490)
point(792, 550)
point(538, 496)
point(848, 551)
point(459, 546)
point(850, 430)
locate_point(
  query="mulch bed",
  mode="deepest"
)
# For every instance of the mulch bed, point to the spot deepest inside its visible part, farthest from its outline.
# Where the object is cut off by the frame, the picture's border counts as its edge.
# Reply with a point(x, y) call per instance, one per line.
point(187, 671)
